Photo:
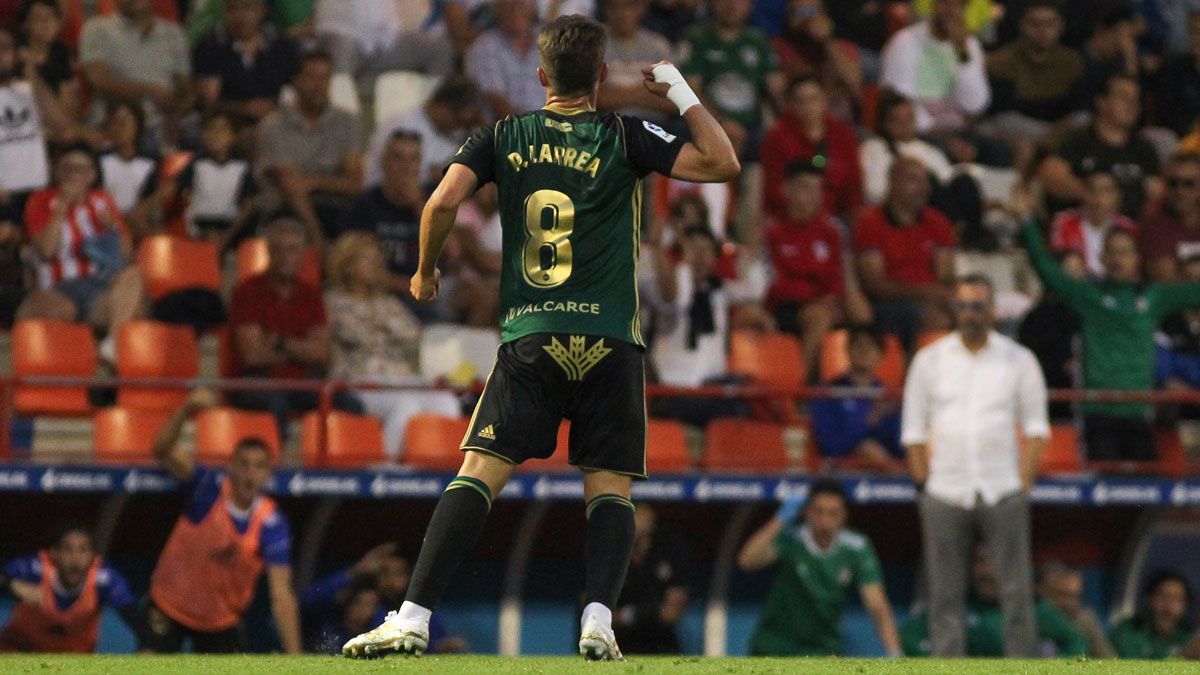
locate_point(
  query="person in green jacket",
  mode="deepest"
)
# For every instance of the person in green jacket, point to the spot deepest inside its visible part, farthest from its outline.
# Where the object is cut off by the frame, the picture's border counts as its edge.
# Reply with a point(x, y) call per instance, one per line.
point(1057, 636)
point(1120, 315)
point(819, 562)
point(1160, 630)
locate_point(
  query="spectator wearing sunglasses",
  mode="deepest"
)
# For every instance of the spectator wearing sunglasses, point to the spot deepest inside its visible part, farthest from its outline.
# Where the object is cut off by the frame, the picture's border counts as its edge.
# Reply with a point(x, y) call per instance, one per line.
point(1171, 227)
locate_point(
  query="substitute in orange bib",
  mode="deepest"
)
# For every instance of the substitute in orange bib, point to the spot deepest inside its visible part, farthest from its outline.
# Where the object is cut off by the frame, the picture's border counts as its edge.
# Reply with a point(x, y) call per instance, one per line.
point(61, 592)
point(228, 534)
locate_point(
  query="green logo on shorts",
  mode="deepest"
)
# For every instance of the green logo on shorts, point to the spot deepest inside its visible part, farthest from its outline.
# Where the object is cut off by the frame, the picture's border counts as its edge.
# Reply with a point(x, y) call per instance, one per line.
point(577, 360)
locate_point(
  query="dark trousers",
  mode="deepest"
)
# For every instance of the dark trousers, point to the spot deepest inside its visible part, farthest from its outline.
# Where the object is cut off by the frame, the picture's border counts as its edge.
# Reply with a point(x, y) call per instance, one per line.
point(1111, 439)
point(284, 404)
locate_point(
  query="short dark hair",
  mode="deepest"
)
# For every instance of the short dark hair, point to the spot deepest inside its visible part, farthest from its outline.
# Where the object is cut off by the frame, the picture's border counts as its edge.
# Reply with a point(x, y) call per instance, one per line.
point(1053, 5)
point(827, 486)
point(458, 91)
point(572, 53)
point(78, 147)
point(689, 199)
point(806, 166)
point(1160, 578)
point(311, 56)
point(252, 443)
point(805, 78)
point(27, 8)
point(64, 529)
point(1110, 13)
point(867, 331)
point(215, 115)
point(1101, 170)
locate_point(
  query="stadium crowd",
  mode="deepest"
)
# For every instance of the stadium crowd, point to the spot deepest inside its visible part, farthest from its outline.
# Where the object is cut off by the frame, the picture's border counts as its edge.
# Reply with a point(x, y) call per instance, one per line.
point(888, 148)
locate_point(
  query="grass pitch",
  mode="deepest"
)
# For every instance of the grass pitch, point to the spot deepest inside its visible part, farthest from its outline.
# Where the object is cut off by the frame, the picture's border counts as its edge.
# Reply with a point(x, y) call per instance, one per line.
point(499, 665)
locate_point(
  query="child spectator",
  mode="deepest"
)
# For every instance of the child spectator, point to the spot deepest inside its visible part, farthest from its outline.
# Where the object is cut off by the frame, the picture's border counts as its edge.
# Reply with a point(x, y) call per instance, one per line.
point(125, 173)
point(219, 189)
point(863, 429)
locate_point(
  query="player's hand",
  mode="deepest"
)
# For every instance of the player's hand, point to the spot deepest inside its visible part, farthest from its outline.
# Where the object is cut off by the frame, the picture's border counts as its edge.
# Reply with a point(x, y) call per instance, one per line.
point(425, 288)
point(652, 85)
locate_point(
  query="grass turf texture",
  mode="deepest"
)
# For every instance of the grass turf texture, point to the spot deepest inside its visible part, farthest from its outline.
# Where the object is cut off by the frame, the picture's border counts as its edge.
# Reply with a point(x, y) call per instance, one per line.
point(498, 665)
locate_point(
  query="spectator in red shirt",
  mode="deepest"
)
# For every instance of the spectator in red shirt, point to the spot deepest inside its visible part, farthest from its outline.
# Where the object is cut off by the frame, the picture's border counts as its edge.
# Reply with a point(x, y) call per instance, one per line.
point(280, 328)
point(904, 252)
point(82, 250)
point(1085, 229)
point(1171, 227)
point(806, 255)
point(807, 130)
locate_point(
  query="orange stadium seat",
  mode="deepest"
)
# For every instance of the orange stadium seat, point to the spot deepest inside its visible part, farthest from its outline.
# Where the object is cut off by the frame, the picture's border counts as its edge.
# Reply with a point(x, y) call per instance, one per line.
point(52, 348)
point(126, 436)
point(772, 359)
point(432, 441)
point(1172, 456)
point(172, 264)
point(745, 445)
point(352, 441)
point(666, 446)
point(253, 258)
point(219, 430)
point(153, 349)
point(1062, 453)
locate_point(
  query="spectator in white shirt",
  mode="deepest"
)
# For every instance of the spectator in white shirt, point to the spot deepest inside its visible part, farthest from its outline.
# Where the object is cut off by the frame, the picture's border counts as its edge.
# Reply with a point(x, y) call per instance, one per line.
point(940, 65)
point(965, 396)
point(369, 37)
point(443, 124)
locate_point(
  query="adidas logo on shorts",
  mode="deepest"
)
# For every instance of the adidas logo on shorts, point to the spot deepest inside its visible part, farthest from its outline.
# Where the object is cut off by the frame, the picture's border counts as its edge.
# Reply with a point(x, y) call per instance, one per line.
point(487, 432)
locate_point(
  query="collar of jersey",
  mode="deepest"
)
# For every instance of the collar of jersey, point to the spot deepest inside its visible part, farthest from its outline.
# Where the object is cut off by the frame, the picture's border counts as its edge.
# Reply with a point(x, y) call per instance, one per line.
point(565, 112)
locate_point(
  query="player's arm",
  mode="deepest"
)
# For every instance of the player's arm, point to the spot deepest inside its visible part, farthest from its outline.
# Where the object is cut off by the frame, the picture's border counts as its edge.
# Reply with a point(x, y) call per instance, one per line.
point(167, 450)
point(284, 606)
point(437, 220)
point(760, 551)
point(709, 157)
point(876, 602)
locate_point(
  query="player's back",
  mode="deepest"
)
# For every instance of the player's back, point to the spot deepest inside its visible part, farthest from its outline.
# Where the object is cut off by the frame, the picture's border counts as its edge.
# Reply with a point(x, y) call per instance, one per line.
point(570, 205)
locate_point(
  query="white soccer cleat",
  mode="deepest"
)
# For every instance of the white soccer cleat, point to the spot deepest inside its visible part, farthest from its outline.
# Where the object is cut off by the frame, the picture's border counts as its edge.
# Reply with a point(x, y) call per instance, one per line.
point(394, 636)
point(597, 642)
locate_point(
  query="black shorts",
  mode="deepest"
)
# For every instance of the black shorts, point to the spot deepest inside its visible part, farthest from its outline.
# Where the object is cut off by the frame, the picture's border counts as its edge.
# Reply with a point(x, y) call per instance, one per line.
point(599, 384)
point(160, 634)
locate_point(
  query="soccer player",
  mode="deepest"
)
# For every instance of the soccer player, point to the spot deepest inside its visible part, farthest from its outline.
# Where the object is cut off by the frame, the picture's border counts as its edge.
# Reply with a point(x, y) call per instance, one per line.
point(228, 533)
point(61, 593)
point(569, 182)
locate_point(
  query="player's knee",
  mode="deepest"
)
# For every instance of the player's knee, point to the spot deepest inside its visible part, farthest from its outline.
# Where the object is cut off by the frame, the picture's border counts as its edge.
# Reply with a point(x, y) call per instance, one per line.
point(596, 483)
point(491, 470)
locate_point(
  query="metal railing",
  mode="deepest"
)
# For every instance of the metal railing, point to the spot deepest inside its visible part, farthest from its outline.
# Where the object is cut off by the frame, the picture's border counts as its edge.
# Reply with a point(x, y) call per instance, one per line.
point(326, 388)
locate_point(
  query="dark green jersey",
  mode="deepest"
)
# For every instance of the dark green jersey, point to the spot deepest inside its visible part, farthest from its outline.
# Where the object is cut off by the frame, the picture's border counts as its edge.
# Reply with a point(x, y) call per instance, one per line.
point(570, 207)
point(1119, 321)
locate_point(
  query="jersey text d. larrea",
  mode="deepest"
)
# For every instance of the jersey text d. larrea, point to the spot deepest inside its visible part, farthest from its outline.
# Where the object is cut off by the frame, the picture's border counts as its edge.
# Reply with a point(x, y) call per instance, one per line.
point(572, 158)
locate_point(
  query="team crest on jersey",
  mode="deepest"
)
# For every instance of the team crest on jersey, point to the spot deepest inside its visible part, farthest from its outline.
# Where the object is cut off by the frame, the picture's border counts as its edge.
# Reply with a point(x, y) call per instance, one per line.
point(659, 131)
point(578, 359)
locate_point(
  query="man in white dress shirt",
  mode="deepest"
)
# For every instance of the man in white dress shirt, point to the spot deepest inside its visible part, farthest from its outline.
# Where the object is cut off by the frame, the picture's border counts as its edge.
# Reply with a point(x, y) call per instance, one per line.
point(966, 396)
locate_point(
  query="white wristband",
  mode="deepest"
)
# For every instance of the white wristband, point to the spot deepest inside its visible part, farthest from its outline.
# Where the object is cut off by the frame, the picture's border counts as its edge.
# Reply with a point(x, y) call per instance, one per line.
point(679, 93)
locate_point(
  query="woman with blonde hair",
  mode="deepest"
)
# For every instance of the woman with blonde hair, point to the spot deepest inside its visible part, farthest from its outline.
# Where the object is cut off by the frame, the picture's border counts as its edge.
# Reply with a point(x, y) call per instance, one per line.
point(376, 339)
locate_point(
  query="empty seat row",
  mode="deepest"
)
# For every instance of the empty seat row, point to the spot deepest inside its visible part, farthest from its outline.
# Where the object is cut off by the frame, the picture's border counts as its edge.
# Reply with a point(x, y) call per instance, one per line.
point(170, 264)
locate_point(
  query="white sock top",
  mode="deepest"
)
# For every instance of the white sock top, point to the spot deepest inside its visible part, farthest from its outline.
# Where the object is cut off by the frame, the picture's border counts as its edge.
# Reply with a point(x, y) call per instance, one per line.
point(411, 610)
point(602, 613)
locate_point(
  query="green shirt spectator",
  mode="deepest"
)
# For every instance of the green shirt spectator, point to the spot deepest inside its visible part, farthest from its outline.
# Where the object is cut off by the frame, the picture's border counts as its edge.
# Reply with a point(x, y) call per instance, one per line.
point(283, 14)
point(819, 563)
point(1119, 316)
point(1135, 638)
point(732, 65)
point(985, 631)
point(1160, 629)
